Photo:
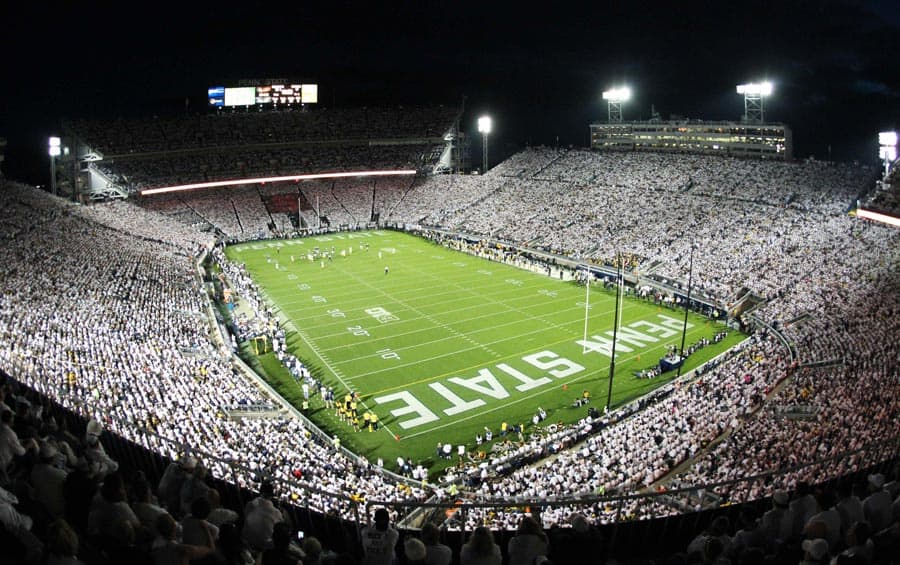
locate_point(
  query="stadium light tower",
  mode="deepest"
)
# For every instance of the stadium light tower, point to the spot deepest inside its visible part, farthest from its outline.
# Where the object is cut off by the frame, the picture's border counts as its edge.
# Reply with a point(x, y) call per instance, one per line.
point(484, 126)
point(54, 150)
point(754, 97)
point(887, 150)
point(614, 99)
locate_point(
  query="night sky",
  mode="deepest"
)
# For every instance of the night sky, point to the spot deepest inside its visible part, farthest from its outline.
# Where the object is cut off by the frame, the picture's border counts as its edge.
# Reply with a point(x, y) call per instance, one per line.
point(537, 68)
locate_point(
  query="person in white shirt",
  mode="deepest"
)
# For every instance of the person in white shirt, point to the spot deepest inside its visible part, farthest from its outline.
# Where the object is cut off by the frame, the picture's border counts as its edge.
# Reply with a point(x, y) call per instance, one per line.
point(778, 522)
point(436, 553)
point(528, 544)
point(829, 516)
point(145, 505)
point(10, 446)
point(260, 517)
point(379, 540)
point(877, 506)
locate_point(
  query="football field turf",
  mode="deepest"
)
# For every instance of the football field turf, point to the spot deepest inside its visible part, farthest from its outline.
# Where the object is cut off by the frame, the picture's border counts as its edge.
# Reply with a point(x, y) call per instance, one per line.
point(441, 344)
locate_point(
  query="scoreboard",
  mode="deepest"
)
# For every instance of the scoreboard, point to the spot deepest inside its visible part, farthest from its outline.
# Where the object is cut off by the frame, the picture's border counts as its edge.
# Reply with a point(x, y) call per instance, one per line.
point(262, 94)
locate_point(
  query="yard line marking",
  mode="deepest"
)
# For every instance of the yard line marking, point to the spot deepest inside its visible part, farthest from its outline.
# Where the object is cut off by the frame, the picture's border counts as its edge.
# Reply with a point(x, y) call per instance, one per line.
point(339, 322)
point(455, 352)
point(426, 360)
point(313, 347)
point(420, 313)
point(510, 356)
point(500, 302)
point(337, 294)
point(465, 321)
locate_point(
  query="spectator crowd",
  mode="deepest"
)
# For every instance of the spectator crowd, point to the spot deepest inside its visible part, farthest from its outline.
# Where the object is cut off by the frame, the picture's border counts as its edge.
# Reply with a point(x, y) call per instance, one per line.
point(104, 312)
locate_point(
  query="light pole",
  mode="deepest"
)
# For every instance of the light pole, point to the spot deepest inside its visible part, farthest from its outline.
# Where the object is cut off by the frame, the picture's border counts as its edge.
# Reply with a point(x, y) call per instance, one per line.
point(754, 95)
point(614, 99)
point(484, 126)
point(54, 150)
point(620, 282)
point(687, 303)
point(887, 150)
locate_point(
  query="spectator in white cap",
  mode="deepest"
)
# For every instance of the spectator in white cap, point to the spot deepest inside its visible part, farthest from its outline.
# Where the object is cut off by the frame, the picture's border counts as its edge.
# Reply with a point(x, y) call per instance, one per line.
point(100, 463)
point(94, 428)
point(877, 506)
point(778, 522)
point(815, 551)
point(415, 552)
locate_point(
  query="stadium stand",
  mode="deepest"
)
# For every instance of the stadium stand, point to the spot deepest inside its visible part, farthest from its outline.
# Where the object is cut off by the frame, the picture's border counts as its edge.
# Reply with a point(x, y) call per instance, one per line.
point(884, 196)
point(140, 153)
point(120, 378)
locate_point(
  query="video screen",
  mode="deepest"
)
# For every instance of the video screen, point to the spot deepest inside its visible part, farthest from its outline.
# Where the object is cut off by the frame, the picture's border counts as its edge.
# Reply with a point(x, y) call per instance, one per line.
point(310, 93)
point(264, 94)
point(241, 96)
point(216, 96)
point(286, 94)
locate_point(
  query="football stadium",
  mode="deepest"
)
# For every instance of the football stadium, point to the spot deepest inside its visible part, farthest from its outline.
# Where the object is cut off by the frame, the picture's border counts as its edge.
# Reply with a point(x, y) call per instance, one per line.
point(268, 313)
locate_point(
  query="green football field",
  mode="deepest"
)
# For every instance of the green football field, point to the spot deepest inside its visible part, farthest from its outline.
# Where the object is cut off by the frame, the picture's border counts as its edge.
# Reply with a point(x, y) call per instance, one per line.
point(441, 344)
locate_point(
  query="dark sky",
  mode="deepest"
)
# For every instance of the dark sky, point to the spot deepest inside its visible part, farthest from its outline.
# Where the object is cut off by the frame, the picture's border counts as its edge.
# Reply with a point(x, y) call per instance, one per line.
point(538, 68)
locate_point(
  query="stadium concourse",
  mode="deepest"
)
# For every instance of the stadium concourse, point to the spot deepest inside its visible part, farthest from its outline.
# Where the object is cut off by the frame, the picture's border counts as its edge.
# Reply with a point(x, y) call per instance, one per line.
point(108, 336)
